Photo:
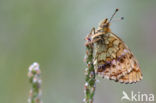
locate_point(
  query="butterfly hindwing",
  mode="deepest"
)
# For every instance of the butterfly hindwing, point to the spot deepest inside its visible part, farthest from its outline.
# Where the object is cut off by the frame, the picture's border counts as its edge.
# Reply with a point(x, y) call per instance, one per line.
point(113, 60)
point(132, 77)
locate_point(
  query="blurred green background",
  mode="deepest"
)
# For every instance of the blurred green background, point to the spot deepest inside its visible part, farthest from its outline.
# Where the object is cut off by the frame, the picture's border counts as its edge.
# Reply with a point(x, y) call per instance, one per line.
point(52, 32)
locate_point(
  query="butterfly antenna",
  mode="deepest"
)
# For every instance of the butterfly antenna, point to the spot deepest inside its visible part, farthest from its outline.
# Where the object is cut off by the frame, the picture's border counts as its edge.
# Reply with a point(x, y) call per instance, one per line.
point(113, 15)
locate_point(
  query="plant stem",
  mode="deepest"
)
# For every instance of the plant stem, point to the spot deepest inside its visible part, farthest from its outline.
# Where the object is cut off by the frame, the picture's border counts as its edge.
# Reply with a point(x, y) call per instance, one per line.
point(35, 80)
point(89, 72)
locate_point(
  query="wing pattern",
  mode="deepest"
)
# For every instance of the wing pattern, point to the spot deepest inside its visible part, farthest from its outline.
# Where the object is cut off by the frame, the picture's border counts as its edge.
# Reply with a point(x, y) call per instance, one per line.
point(113, 60)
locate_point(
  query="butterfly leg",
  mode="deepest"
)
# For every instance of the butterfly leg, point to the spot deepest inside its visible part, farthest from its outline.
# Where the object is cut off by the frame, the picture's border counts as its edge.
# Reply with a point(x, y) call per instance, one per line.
point(92, 31)
point(89, 36)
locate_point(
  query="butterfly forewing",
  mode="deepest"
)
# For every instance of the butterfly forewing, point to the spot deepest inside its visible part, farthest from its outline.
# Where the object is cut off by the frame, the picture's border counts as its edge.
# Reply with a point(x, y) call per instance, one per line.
point(113, 59)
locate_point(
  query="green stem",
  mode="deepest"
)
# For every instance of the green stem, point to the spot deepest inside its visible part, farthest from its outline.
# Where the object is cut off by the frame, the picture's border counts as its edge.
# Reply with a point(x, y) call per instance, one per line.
point(89, 72)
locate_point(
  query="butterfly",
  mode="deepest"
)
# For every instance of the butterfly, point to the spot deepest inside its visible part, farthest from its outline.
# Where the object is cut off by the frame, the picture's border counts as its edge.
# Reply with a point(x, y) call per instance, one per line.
point(113, 59)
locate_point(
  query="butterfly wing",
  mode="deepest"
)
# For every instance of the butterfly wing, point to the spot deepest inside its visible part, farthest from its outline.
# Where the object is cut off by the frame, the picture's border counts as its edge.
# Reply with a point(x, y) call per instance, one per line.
point(113, 60)
point(132, 77)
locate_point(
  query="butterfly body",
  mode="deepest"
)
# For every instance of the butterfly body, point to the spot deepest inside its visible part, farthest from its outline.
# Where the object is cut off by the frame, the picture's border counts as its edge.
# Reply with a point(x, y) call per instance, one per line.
point(113, 59)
